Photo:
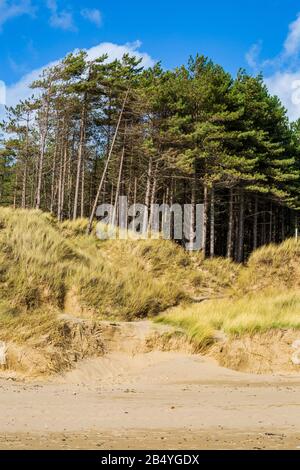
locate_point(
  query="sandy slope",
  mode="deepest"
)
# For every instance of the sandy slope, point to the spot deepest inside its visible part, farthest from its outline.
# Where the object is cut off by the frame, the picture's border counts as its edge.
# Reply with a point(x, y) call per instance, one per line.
point(151, 400)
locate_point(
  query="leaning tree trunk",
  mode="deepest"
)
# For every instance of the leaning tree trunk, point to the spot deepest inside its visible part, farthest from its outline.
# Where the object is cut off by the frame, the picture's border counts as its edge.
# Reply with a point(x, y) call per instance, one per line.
point(94, 208)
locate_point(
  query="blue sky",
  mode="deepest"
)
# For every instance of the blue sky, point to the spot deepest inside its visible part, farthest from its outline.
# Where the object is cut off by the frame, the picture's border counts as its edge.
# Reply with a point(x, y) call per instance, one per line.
point(259, 36)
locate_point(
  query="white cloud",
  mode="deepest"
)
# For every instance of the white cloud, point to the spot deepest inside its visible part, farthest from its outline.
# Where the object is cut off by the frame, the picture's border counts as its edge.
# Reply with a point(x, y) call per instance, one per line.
point(116, 51)
point(60, 19)
point(286, 86)
point(282, 72)
point(12, 9)
point(292, 42)
point(21, 89)
point(2, 93)
point(93, 15)
point(253, 54)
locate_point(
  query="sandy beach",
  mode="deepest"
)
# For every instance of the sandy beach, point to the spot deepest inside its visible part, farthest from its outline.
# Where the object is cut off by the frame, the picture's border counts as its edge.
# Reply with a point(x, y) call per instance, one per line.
point(155, 400)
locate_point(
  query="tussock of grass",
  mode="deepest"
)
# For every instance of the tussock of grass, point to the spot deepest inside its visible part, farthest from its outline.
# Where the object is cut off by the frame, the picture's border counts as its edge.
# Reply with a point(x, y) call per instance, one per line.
point(21, 328)
point(73, 228)
point(215, 275)
point(35, 259)
point(42, 343)
point(251, 314)
point(124, 292)
point(270, 266)
point(123, 279)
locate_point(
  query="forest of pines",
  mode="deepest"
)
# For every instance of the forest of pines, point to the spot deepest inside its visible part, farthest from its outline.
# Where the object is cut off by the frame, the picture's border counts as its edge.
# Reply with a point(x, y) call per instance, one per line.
point(187, 136)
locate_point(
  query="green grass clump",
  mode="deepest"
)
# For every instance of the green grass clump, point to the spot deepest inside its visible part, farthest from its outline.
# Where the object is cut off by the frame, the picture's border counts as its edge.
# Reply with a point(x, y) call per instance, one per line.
point(248, 315)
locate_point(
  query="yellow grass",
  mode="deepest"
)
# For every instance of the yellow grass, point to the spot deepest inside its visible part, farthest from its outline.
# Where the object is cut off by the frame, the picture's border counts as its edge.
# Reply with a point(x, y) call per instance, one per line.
point(270, 266)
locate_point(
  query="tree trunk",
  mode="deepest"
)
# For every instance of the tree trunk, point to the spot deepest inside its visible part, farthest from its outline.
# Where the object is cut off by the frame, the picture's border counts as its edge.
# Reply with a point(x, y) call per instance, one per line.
point(70, 176)
point(147, 195)
point(212, 222)
point(240, 254)
point(44, 133)
point(15, 191)
point(282, 224)
point(115, 212)
point(263, 227)
point(255, 223)
point(63, 183)
point(192, 215)
point(271, 224)
point(153, 194)
point(135, 193)
point(24, 184)
point(40, 173)
point(79, 156)
point(82, 189)
point(205, 218)
point(53, 177)
point(60, 187)
point(230, 226)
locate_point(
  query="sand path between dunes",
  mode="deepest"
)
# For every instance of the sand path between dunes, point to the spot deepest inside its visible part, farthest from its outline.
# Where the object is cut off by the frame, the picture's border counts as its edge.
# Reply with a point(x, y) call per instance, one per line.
point(154, 400)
